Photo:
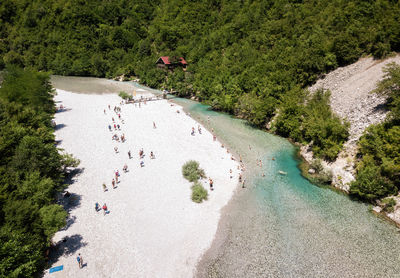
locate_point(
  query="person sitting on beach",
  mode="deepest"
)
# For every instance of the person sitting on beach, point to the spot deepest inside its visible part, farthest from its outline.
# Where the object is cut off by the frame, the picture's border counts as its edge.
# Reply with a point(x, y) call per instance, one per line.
point(109, 127)
point(199, 129)
point(113, 183)
point(141, 163)
point(192, 131)
point(116, 149)
point(177, 111)
point(117, 173)
point(230, 173)
point(154, 125)
point(104, 187)
point(115, 127)
point(123, 137)
point(119, 128)
point(129, 154)
point(152, 156)
point(105, 111)
point(214, 137)
point(141, 153)
point(113, 119)
point(125, 168)
point(96, 207)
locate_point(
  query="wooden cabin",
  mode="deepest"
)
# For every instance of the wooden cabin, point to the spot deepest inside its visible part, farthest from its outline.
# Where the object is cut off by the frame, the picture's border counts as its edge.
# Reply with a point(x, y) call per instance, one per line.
point(165, 62)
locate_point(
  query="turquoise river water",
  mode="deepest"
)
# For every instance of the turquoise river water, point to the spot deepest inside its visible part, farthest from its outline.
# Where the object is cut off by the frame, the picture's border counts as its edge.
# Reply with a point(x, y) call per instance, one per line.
point(282, 225)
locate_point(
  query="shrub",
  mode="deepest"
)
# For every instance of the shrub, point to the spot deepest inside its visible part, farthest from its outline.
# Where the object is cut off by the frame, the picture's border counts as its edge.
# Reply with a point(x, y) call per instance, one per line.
point(371, 185)
point(124, 95)
point(389, 204)
point(191, 171)
point(325, 177)
point(198, 193)
point(317, 165)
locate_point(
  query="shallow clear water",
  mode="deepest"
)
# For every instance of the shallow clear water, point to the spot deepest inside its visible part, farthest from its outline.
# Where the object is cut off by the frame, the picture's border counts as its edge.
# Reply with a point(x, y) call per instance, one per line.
point(281, 225)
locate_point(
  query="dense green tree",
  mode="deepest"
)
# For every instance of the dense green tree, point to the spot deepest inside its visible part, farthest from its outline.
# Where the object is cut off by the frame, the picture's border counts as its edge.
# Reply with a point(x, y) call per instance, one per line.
point(31, 172)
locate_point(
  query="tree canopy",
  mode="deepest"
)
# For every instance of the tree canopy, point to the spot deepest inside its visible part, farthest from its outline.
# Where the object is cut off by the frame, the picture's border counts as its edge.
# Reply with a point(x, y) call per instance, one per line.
point(31, 172)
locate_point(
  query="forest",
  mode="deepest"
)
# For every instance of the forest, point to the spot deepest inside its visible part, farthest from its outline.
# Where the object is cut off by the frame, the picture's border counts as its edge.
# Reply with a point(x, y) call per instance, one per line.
point(32, 171)
point(253, 59)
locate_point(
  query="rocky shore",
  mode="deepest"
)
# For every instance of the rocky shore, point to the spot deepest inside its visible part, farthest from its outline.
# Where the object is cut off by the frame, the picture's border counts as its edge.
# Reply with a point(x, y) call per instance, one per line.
point(352, 98)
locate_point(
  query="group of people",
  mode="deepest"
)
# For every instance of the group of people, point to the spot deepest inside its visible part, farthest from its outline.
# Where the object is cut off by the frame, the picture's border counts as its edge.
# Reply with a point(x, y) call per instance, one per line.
point(116, 179)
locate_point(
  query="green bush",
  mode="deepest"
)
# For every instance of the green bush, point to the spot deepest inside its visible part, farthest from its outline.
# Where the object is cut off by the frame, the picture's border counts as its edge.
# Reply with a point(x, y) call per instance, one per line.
point(389, 204)
point(316, 164)
point(191, 171)
point(124, 95)
point(371, 185)
point(312, 120)
point(198, 193)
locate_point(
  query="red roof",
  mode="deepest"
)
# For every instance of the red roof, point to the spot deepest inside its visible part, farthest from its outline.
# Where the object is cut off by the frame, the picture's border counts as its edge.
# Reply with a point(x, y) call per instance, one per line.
point(166, 61)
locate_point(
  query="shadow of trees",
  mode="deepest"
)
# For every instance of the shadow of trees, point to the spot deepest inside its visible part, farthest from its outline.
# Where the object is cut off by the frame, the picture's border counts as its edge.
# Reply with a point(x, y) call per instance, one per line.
point(66, 246)
point(59, 126)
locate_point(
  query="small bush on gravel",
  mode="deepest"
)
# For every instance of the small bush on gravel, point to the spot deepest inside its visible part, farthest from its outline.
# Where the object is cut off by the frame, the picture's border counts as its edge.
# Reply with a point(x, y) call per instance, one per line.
point(124, 95)
point(198, 193)
point(191, 171)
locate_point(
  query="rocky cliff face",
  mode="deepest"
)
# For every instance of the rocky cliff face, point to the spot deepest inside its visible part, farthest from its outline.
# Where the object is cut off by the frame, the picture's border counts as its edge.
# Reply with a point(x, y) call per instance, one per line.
point(353, 100)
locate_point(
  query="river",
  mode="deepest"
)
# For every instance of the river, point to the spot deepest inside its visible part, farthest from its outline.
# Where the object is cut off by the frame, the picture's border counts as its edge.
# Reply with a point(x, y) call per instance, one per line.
point(282, 225)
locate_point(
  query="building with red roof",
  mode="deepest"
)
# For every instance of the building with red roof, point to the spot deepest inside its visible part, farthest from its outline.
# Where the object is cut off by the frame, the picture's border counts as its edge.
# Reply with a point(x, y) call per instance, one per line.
point(171, 63)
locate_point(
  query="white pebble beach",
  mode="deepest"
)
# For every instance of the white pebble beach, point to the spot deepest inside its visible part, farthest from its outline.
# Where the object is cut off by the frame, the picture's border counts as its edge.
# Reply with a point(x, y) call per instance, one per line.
point(153, 229)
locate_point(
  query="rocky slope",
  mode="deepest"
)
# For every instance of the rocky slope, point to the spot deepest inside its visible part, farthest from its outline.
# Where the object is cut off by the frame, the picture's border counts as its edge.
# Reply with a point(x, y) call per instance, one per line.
point(352, 99)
